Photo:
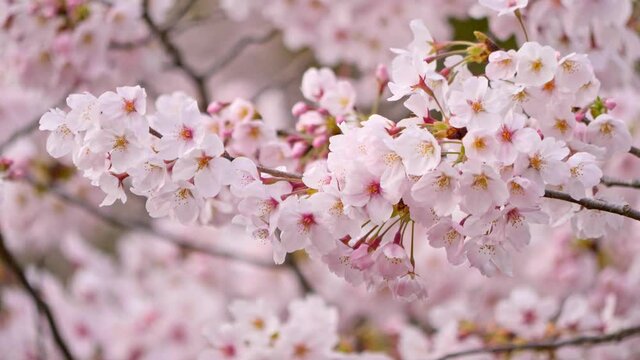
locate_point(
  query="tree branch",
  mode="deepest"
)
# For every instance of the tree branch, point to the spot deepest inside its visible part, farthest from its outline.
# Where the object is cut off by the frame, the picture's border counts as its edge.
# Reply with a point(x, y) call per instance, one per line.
point(551, 345)
point(43, 307)
point(238, 48)
point(176, 56)
point(29, 127)
point(141, 226)
point(611, 182)
point(596, 204)
point(292, 263)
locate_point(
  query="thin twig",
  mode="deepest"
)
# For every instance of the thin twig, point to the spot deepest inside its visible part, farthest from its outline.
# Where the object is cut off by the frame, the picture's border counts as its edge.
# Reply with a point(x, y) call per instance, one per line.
point(176, 56)
point(43, 307)
point(179, 14)
point(142, 226)
point(634, 151)
point(273, 172)
point(27, 129)
point(611, 182)
point(551, 345)
point(265, 170)
point(292, 263)
point(237, 49)
point(596, 204)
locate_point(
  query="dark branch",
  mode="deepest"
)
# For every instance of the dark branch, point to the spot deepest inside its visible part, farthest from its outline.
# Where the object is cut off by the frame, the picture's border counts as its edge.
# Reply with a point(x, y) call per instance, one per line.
point(27, 129)
point(551, 345)
point(295, 268)
point(141, 226)
point(610, 182)
point(175, 55)
point(43, 307)
point(237, 49)
point(273, 172)
point(595, 204)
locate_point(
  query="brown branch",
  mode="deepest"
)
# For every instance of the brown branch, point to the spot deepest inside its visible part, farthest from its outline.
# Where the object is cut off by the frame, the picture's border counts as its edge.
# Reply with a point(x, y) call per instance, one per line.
point(273, 172)
point(635, 151)
point(611, 182)
point(175, 55)
point(238, 48)
point(27, 129)
point(43, 307)
point(596, 204)
point(265, 170)
point(550, 345)
point(133, 225)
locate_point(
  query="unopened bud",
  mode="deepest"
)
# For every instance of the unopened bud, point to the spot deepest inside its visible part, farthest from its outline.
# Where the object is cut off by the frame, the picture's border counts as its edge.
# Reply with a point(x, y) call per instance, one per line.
point(320, 141)
point(610, 104)
point(215, 107)
point(299, 149)
point(580, 116)
point(382, 74)
point(299, 108)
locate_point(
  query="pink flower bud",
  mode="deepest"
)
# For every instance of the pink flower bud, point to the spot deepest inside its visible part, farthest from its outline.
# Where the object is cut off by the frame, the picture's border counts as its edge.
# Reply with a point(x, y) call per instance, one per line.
point(320, 141)
point(429, 59)
point(382, 74)
point(299, 108)
point(62, 44)
point(299, 149)
point(215, 107)
point(610, 104)
point(579, 116)
point(5, 163)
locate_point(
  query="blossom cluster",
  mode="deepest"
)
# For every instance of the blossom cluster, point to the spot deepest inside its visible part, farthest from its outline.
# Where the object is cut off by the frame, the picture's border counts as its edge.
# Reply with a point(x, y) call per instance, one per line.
point(58, 44)
point(339, 32)
point(468, 169)
point(523, 316)
point(603, 30)
point(256, 332)
point(144, 302)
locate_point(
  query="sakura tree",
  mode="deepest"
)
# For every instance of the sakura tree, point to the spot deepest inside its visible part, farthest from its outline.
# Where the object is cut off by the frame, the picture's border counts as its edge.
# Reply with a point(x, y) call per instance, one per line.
point(320, 179)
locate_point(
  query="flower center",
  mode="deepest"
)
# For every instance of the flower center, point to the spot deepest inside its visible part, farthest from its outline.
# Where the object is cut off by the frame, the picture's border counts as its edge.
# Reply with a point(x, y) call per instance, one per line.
point(529, 317)
point(443, 182)
point(300, 351)
point(479, 143)
point(258, 323)
point(129, 106)
point(476, 106)
point(569, 66)
point(120, 143)
point(536, 162)
point(536, 65)
point(562, 125)
point(306, 221)
point(606, 128)
point(203, 162)
point(373, 188)
point(480, 182)
point(506, 134)
point(516, 188)
point(186, 133)
point(426, 148)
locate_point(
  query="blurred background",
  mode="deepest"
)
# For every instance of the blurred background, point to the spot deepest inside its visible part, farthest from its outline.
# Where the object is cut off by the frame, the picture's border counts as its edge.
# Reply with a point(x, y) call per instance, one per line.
point(126, 287)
